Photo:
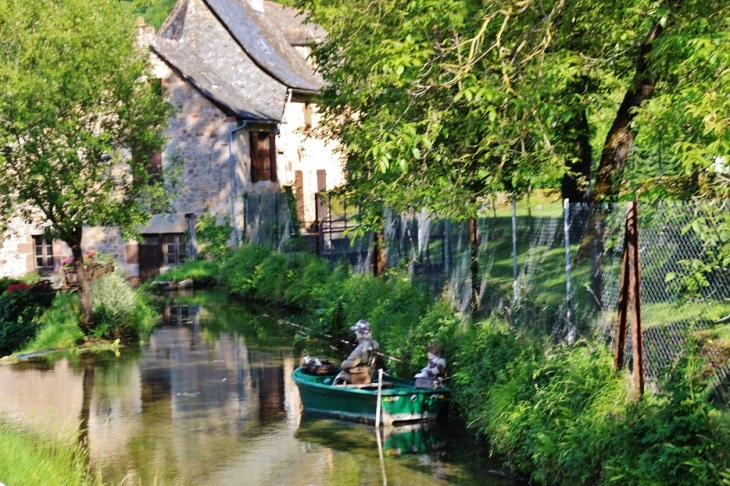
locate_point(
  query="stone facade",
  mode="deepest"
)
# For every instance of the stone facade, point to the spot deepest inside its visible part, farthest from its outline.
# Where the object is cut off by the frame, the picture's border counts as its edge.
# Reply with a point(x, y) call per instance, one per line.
point(215, 173)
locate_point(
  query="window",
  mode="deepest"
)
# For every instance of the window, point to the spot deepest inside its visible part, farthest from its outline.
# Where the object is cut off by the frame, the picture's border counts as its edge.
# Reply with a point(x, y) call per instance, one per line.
point(43, 249)
point(175, 248)
point(263, 157)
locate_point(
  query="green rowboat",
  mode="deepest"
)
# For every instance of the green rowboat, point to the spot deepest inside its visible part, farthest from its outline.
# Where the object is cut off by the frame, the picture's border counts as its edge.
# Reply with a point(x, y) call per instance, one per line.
point(400, 401)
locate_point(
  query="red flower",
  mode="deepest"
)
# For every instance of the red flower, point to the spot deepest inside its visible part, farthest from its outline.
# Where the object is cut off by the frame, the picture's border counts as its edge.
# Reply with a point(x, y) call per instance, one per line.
point(18, 286)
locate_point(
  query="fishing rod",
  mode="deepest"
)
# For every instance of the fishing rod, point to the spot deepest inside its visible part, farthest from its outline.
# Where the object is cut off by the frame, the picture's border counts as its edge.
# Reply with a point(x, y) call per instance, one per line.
point(301, 330)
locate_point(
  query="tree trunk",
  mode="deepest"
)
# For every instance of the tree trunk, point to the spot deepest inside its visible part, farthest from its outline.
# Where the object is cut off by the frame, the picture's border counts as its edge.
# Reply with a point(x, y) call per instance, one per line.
point(379, 261)
point(616, 151)
point(620, 138)
point(86, 323)
point(575, 185)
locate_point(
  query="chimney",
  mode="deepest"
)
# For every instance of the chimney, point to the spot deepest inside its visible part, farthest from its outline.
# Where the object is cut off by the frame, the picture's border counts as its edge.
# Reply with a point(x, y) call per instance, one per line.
point(257, 5)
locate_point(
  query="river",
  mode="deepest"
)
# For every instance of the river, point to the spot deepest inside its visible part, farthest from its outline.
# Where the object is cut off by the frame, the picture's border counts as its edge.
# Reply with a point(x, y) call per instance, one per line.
point(209, 399)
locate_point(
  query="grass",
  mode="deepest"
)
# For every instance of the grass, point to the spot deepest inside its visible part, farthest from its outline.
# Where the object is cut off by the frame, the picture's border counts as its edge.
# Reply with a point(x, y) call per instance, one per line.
point(203, 273)
point(29, 458)
point(59, 326)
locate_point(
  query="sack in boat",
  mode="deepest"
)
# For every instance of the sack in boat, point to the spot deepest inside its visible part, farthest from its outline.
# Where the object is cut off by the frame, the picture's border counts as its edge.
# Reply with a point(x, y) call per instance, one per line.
point(428, 382)
point(361, 375)
point(324, 368)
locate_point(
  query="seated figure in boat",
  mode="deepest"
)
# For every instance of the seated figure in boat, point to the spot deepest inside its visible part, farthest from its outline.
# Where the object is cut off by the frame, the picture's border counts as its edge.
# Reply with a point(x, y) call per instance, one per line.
point(362, 356)
point(434, 373)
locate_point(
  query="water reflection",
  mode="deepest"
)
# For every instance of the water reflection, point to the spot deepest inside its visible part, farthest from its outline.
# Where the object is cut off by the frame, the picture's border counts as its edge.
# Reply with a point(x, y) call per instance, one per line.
point(209, 400)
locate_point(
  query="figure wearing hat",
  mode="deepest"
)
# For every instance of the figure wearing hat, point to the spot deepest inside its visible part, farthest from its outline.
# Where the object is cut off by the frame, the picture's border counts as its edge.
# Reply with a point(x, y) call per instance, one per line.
point(362, 355)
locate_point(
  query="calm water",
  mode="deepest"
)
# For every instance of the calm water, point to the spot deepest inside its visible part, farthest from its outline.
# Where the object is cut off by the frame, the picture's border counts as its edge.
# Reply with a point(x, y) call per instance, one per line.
point(209, 400)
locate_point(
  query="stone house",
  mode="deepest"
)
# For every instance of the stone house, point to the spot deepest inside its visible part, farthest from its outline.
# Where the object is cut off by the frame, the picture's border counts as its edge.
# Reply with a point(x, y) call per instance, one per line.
point(239, 73)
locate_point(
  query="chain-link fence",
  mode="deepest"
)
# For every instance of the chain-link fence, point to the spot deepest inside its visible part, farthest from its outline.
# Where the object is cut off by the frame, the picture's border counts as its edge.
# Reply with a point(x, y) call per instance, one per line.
point(551, 268)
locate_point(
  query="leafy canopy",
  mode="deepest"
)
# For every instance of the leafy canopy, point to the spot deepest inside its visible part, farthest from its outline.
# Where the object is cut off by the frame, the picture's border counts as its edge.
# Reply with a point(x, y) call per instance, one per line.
point(437, 102)
point(78, 120)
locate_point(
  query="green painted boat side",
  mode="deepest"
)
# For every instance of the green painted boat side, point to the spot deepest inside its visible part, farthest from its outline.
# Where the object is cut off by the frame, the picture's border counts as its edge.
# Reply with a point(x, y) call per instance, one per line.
point(401, 400)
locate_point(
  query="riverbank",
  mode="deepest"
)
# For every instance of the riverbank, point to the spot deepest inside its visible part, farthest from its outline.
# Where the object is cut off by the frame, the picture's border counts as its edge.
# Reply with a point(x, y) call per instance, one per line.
point(31, 323)
point(556, 413)
point(28, 458)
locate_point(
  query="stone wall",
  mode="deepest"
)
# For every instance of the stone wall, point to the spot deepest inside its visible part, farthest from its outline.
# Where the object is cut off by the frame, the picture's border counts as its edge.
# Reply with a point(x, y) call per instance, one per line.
point(198, 137)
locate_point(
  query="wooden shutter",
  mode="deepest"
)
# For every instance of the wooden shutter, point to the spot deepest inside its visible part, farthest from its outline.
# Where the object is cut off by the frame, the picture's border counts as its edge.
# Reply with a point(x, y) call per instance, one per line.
point(263, 157)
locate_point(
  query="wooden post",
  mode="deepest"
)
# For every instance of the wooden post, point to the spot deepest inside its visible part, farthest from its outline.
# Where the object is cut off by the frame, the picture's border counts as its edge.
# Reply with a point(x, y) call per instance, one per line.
point(380, 395)
point(630, 296)
point(317, 202)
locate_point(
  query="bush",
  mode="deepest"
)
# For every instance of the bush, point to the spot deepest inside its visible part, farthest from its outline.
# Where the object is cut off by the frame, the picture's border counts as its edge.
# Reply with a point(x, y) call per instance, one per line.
point(58, 327)
point(20, 307)
point(120, 312)
point(238, 272)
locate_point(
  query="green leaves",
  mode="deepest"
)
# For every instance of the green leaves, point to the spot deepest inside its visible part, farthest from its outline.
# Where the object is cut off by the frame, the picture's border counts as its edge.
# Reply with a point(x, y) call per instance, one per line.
point(78, 122)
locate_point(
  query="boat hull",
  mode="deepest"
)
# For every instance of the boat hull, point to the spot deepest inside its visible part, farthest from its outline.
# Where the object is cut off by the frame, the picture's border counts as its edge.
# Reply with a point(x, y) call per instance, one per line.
point(401, 401)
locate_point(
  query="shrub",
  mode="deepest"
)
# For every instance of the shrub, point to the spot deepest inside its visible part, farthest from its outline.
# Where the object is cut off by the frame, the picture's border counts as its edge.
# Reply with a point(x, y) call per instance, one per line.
point(213, 238)
point(120, 312)
point(58, 327)
point(237, 273)
point(20, 307)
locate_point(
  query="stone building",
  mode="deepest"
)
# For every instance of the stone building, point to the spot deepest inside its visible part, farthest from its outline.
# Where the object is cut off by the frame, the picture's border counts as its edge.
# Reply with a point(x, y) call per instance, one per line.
point(239, 73)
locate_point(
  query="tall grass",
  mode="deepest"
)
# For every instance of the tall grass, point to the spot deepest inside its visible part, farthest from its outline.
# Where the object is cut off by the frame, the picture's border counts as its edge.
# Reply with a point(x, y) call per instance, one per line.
point(59, 325)
point(120, 311)
point(41, 460)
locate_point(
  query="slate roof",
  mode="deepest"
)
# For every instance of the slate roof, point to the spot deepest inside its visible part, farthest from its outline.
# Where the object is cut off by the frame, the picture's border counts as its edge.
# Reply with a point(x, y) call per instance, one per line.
point(236, 56)
point(293, 23)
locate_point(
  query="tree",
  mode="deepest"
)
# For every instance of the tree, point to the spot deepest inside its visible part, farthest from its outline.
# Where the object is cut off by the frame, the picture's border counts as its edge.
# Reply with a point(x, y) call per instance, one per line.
point(78, 121)
point(448, 101)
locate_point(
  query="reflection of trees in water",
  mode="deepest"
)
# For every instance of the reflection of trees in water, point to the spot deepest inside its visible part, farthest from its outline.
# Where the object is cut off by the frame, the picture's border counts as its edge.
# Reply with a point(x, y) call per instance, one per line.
point(267, 375)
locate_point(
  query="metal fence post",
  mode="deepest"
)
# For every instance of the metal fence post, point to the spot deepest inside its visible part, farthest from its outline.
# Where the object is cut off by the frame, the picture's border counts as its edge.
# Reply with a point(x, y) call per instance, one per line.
point(568, 283)
point(514, 251)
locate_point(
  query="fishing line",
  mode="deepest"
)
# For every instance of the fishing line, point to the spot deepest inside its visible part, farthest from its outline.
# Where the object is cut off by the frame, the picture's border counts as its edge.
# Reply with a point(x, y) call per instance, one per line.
point(301, 330)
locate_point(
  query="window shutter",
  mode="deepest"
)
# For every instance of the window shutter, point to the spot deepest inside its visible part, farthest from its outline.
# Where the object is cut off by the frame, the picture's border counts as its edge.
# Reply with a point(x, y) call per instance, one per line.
point(272, 155)
point(263, 157)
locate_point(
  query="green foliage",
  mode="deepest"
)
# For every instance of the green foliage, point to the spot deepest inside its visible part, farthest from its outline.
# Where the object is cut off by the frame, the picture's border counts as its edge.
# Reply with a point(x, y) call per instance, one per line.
point(120, 311)
point(213, 238)
point(238, 272)
point(58, 327)
point(674, 438)
point(204, 273)
point(79, 124)
point(20, 307)
point(711, 225)
point(560, 414)
point(5, 282)
point(438, 102)
point(154, 12)
point(43, 460)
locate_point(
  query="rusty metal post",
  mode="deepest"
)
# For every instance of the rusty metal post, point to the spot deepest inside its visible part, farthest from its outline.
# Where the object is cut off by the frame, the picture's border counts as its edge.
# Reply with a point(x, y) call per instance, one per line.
point(637, 340)
point(630, 296)
point(619, 357)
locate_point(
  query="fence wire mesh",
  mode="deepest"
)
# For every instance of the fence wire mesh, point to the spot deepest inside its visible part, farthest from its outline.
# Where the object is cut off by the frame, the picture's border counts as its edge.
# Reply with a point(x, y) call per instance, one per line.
point(528, 271)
